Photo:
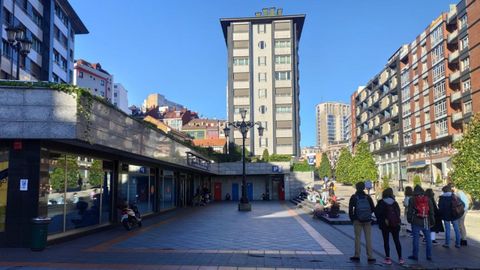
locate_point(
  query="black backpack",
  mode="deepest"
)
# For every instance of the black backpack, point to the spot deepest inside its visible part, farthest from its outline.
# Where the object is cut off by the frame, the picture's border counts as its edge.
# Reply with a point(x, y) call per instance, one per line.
point(458, 207)
point(392, 217)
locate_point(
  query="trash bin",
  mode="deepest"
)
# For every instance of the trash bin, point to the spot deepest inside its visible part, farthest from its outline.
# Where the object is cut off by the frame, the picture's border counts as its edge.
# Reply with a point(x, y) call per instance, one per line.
point(39, 233)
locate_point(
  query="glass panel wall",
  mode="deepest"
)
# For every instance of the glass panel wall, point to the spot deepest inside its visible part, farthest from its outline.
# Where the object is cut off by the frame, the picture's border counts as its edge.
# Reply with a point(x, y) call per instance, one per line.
point(3, 186)
point(137, 185)
point(75, 191)
point(168, 190)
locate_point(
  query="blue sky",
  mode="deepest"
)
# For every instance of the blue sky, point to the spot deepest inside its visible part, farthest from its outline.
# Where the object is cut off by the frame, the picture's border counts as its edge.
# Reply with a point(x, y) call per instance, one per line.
point(177, 48)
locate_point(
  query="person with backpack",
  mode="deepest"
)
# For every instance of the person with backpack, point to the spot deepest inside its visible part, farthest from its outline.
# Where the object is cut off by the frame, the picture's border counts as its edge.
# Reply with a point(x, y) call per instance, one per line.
point(451, 209)
point(461, 220)
point(438, 227)
point(387, 212)
point(360, 209)
point(420, 215)
point(408, 194)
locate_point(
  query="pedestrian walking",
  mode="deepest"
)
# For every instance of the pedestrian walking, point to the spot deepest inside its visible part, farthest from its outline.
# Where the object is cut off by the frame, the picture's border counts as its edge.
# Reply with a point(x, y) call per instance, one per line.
point(387, 212)
point(420, 216)
point(461, 220)
point(360, 209)
point(446, 206)
point(438, 227)
point(408, 193)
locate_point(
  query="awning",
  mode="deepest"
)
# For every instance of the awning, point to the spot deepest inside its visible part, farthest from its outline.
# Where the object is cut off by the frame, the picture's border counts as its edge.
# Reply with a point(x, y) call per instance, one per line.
point(416, 165)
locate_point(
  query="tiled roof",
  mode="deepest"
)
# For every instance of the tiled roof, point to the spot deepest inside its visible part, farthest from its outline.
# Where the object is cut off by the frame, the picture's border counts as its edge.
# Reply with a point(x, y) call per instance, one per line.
point(210, 142)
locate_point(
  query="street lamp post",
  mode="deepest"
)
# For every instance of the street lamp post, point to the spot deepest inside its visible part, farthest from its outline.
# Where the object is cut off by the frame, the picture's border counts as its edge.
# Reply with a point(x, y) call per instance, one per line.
point(243, 126)
point(431, 164)
point(22, 45)
point(400, 180)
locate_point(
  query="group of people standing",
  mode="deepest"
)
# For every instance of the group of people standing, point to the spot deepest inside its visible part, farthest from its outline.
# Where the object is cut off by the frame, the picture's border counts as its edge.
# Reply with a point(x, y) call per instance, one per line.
point(421, 211)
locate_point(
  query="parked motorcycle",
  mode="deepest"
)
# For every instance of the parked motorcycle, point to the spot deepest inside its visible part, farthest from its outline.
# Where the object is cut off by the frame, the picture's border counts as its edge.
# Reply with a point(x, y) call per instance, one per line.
point(131, 217)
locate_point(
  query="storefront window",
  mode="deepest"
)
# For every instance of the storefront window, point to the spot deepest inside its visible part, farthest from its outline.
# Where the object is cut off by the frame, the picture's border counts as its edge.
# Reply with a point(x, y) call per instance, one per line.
point(75, 191)
point(3, 186)
point(137, 185)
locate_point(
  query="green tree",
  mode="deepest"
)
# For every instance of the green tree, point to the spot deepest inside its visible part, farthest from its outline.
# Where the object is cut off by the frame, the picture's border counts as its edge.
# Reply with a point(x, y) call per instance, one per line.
point(438, 180)
point(364, 167)
point(343, 170)
point(265, 156)
point(466, 162)
point(302, 167)
point(57, 176)
point(325, 169)
point(417, 180)
point(385, 182)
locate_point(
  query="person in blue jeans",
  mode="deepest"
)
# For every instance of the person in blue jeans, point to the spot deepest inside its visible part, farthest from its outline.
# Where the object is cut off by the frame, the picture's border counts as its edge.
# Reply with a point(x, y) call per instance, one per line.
point(445, 208)
point(420, 215)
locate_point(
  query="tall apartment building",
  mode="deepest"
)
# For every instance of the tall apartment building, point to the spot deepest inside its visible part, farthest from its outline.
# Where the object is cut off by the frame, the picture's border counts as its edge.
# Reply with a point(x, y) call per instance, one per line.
point(440, 88)
point(120, 97)
point(51, 26)
point(332, 123)
point(375, 115)
point(263, 78)
point(429, 91)
point(93, 77)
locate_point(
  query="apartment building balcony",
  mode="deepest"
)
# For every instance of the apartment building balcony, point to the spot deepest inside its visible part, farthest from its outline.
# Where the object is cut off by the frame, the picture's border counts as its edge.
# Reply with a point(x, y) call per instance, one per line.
point(456, 117)
point(453, 56)
point(457, 136)
point(451, 16)
point(452, 36)
point(455, 97)
point(455, 76)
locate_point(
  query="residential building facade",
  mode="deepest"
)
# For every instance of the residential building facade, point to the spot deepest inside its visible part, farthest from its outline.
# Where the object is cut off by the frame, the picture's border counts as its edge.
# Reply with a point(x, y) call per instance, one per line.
point(93, 77)
point(375, 115)
point(51, 26)
point(263, 79)
point(120, 97)
point(332, 122)
point(205, 128)
point(176, 119)
point(437, 92)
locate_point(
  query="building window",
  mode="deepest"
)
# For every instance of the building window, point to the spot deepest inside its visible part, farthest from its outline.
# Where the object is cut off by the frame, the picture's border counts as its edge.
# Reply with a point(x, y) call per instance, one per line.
point(437, 54)
point(465, 64)
point(441, 127)
point(6, 49)
point(331, 126)
point(283, 109)
point(466, 85)
point(240, 61)
point(264, 124)
point(56, 57)
point(282, 43)
point(436, 35)
point(467, 107)
point(241, 76)
point(406, 109)
point(464, 43)
point(36, 45)
point(262, 45)
point(282, 59)
point(102, 83)
point(283, 92)
point(238, 108)
point(439, 90)
point(405, 94)
point(438, 72)
point(262, 109)
point(407, 123)
point(262, 77)
point(282, 75)
point(262, 93)
point(262, 60)
point(80, 74)
point(440, 109)
point(463, 21)
point(240, 28)
point(405, 78)
point(261, 28)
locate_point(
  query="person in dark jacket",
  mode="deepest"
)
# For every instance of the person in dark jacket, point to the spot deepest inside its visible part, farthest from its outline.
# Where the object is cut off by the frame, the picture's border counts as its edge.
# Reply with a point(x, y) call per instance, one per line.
point(360, 224)
point(384, 210)
point(438, 227)
point(420, 223)
point(445, 208)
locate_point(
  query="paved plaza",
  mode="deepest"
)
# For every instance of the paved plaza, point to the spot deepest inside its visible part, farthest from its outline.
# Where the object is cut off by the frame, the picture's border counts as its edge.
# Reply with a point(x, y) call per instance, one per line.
point(273, 236)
